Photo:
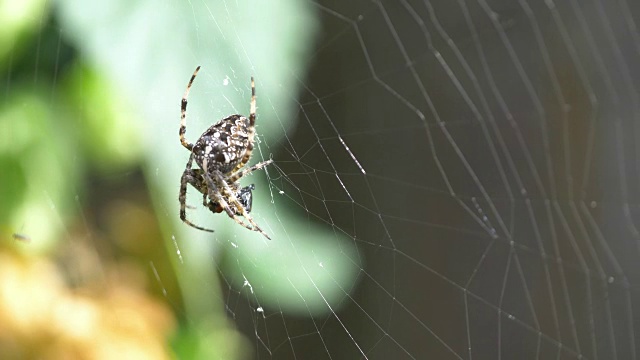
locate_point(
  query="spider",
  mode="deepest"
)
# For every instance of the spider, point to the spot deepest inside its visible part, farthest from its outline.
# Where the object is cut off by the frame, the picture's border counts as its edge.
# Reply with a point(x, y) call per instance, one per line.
point(221, 154)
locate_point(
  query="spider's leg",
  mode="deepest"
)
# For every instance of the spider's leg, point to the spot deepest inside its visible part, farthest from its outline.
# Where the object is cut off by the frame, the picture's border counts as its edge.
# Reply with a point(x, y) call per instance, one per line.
point(239, 174)
point(252, 105)
point(246, 215)
point(251, 129)
point(182, 195)
point(217, 196)
point(234, 200)
point(243, 195)
point(189, 176)
point(183, 113)
point(199, 183)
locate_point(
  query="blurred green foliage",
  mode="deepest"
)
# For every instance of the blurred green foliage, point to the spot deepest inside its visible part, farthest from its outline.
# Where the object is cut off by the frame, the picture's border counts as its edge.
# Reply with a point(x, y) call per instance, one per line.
point(38, 174)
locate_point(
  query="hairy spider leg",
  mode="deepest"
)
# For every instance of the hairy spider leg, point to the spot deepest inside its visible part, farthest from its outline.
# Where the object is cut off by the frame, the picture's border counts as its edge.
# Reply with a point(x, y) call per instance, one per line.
point(244, 195)
point(232, 199)
point(239, 174)
point(251, 129)
point(187, 178)
point(183, 113)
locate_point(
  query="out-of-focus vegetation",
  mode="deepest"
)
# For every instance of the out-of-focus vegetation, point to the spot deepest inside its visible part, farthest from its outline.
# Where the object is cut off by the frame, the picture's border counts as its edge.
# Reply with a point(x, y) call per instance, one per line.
point(43, 318)
point(68, 289)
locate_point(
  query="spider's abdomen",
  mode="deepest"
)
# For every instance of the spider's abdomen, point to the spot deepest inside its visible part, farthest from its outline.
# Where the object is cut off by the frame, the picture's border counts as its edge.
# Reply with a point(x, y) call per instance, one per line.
point(223, 144)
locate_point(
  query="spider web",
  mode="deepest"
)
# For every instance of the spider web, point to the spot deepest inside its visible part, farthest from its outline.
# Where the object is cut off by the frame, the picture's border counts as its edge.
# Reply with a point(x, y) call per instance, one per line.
point(458, 181)
point(480, 155)
point(482, 167)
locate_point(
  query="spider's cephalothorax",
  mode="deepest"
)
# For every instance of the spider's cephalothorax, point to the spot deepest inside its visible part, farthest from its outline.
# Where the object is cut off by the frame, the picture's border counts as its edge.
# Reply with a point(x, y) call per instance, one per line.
point(220, 154)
